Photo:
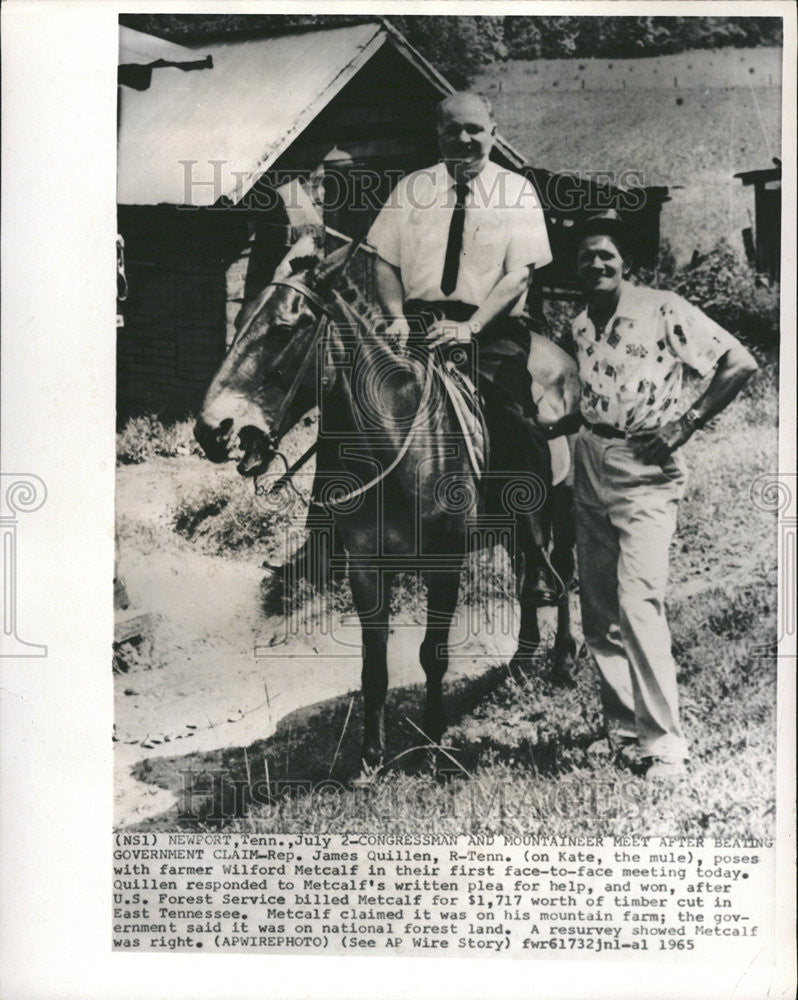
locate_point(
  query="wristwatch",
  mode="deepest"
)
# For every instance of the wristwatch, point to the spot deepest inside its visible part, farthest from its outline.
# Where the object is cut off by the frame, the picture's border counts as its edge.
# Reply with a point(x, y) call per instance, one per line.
point(691, 421)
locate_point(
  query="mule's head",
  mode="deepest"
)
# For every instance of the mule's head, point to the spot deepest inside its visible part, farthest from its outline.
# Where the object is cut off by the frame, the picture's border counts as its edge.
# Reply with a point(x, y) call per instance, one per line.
point(246, 399)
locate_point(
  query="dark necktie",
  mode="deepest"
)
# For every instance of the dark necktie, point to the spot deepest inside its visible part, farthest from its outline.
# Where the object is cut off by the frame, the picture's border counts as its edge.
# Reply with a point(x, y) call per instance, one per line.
point(455, 245)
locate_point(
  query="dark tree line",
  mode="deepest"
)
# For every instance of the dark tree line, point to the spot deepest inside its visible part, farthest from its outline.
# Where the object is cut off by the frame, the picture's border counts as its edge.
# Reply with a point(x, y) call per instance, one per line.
point(624, 37)
point(459, 46)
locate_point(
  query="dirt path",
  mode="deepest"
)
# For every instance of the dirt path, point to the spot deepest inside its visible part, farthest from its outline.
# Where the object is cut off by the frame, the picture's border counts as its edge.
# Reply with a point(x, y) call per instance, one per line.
point(219, 672)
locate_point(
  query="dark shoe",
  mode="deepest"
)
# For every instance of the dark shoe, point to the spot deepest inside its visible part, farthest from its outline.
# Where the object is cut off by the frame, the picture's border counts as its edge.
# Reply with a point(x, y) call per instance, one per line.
point(615, 749)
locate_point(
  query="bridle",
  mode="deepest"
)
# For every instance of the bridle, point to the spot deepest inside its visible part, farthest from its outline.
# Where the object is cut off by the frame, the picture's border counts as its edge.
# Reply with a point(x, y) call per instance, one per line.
point(307, 291)
point(274, 437)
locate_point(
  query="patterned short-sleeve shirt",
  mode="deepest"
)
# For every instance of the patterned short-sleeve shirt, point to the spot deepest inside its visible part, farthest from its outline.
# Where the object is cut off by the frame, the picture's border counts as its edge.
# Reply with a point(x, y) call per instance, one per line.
point(631, 372)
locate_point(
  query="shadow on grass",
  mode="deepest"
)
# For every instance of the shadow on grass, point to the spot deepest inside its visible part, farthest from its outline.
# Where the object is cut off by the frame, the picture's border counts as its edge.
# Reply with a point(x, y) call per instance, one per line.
point(317, 748)
point(516, 751)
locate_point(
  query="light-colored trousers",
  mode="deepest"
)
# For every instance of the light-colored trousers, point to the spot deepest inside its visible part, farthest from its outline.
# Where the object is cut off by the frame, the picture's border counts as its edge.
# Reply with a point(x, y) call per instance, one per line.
point(625, 519)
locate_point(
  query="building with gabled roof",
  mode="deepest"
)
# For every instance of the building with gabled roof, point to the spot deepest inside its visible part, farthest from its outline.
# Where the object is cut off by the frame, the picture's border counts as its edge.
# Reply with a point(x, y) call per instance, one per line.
point(204, 157)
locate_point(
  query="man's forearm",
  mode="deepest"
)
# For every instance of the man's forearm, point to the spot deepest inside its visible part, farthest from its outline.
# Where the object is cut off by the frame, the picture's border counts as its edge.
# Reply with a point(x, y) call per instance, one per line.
point(569, 424)
point(733, 371)
point(505, 294)
point(390, 291)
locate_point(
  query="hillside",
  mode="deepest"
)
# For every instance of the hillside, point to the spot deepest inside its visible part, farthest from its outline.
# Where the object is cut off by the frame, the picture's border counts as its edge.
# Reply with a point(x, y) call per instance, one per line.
point(692, 138)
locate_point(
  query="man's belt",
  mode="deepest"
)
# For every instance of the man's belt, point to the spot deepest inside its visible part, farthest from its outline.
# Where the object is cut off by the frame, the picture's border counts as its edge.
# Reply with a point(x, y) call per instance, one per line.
point(513, 328)
point(456, 312)
point(608, 431)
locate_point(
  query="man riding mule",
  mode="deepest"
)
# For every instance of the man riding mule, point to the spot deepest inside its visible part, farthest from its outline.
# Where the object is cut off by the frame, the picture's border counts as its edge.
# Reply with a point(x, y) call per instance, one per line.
point(458, 244)
point(394, 475)
point(457, 247)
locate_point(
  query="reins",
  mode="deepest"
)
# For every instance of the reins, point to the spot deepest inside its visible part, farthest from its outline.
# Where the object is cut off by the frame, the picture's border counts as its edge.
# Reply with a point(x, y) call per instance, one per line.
point(293, 389)
point(276, 435)
point(420, 412)
point(310, 295)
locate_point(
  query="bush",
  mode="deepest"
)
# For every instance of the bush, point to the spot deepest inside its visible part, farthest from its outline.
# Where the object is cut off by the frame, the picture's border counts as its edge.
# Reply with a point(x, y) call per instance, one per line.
point(146, 436)
point(725, 287)
point(720, 283)
point(558, 315)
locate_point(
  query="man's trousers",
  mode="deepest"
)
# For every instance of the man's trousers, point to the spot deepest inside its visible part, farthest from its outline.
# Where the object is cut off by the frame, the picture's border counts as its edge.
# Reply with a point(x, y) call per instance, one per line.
point(625, 520)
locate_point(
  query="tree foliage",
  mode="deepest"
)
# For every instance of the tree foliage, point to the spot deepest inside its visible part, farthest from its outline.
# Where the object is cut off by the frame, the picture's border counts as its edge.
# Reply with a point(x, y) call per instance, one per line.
point(727, 288)
point(625, 37)
point(460, 46)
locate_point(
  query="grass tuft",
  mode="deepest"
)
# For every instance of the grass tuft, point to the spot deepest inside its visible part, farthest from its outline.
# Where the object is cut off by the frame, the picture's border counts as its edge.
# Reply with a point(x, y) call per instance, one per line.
point(146, 437)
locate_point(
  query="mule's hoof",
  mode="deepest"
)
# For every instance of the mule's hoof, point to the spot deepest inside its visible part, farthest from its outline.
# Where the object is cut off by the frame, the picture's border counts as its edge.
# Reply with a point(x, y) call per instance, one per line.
point(369, 773)
point(433, 729)
point(561, 675)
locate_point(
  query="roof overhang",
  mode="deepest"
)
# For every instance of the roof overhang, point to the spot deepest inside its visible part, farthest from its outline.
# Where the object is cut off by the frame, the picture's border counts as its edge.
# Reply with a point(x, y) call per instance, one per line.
point(208, 139)
point(140, 54)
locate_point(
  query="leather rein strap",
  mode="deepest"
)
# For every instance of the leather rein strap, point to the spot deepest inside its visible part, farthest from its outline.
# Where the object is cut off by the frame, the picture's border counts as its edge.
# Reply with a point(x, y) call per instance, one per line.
point(310, 295)
point(321, 323)
point(282, 413)
point(417, 420)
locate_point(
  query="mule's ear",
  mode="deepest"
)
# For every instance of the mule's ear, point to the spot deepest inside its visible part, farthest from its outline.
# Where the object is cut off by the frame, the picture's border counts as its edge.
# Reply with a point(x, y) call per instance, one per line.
point(334, 265)
point(305, 246)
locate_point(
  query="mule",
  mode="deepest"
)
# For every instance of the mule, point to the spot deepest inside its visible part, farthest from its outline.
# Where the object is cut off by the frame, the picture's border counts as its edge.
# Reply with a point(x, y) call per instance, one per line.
point(406, 492)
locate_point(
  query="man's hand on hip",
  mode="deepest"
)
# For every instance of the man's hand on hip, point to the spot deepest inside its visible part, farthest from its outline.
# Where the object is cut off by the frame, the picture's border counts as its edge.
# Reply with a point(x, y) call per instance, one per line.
point(658, 449)
point(445, 331)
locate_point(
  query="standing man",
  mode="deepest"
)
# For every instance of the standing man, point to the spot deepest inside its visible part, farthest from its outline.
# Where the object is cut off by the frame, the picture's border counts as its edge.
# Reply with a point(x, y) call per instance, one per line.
point(457, 245)
point(631, 344)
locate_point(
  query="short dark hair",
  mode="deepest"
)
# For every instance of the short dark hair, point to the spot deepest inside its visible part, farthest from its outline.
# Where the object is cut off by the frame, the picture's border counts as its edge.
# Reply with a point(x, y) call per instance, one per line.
point(608, 224)
point(459, 95)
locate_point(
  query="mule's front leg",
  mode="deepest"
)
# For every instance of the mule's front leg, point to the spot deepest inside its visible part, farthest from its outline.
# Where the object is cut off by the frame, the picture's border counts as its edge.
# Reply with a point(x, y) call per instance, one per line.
point(564, 645)
point(371, 592)
point(442, 587)
point(562, 559)
point(529, 646)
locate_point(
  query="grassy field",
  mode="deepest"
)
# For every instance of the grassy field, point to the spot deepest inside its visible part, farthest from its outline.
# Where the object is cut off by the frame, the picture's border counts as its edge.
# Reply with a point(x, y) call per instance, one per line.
point(697, 69)
point(720, 120)
point(517, 754)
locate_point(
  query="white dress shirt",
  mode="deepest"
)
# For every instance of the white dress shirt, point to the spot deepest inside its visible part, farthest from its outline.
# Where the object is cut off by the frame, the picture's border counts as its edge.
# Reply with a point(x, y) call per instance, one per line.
point(504, 229)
